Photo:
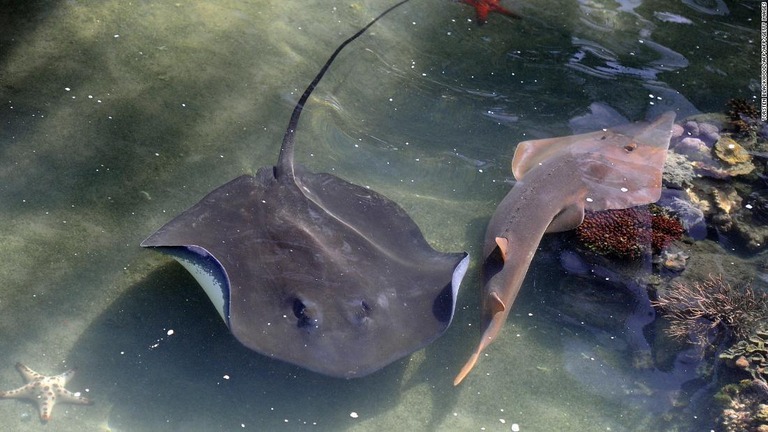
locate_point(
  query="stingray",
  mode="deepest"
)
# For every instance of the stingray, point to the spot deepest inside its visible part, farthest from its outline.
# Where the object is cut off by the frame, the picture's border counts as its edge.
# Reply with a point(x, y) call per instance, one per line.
point(557, 180)
point(313, 270)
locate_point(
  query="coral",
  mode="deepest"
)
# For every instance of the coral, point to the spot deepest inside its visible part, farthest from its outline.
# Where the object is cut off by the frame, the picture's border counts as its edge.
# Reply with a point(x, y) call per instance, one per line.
point(722, 171)
point(762, 413)
point(678, 171)
point(744, 407)
point(746, 218)
point(675, 261)
point(726, 200)
point(665, 227)
point(690, 215)
point(744, 116)
point(751, 355)
point(709, 153)
point(628, 233)
point(731, 152)
point(735, 160)
point(712, 308)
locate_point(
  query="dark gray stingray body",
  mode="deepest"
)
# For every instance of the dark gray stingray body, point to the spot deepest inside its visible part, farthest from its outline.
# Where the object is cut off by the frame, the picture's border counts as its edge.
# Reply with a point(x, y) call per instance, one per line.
point(314, 270)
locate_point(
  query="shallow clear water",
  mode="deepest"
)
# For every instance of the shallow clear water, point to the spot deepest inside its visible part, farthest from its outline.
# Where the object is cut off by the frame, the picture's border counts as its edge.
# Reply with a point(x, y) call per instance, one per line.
point(116, 116)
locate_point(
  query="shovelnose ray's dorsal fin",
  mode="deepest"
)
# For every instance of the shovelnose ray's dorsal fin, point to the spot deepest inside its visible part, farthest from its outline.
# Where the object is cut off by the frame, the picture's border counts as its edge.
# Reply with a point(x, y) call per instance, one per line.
point(622, 165)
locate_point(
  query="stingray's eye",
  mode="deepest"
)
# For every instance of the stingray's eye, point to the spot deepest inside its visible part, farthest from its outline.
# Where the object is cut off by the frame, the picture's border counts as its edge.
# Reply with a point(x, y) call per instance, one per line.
point(304, 314)
point(630, 147)
point(361, 312)
point(364, 311)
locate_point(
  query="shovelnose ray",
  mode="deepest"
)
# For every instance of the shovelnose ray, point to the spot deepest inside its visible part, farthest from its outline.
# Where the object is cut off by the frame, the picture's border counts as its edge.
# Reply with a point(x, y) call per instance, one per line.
point(557, 179)
point(313, 270)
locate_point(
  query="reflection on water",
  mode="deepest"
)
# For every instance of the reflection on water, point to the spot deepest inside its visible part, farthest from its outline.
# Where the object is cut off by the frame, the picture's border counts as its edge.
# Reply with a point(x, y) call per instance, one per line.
point(116, 116)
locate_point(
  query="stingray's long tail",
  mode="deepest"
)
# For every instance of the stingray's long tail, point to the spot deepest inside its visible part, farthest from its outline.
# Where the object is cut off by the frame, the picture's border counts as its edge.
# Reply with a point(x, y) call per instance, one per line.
point(285, 160)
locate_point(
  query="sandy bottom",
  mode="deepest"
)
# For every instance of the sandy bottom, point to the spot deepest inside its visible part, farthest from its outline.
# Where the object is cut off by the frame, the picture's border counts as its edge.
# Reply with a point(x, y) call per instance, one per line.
point(116, 116)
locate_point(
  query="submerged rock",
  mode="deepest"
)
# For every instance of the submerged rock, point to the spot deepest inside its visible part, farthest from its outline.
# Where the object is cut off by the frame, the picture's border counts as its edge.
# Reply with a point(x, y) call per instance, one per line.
point(704, 148)
point(694, 148)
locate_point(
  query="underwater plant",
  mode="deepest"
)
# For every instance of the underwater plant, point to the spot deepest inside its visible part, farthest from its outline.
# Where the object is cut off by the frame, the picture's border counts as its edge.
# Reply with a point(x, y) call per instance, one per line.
point(744, 116)
point(713, 308)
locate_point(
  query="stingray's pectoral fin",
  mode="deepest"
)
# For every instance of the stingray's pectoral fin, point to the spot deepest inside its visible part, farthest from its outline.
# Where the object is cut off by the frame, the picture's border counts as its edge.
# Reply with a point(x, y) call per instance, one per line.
point(206, 270)
point(458, 275)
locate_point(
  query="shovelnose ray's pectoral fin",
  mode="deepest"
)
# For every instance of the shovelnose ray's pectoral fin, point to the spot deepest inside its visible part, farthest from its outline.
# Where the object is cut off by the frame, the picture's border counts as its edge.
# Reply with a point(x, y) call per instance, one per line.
point(569, 218)
point(621, 166)
point(503, 245)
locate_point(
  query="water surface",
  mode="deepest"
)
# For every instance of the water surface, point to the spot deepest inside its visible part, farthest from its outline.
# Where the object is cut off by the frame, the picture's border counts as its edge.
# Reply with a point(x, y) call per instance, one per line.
point(116, 116)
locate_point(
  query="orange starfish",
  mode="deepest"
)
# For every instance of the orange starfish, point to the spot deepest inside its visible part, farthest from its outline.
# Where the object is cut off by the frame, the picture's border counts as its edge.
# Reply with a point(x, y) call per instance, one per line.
point(45, 391)
point(484, 7)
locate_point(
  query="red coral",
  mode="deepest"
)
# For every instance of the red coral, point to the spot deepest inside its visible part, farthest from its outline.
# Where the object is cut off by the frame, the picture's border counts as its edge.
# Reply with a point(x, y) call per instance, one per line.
point(666, 228)
point(628, 233)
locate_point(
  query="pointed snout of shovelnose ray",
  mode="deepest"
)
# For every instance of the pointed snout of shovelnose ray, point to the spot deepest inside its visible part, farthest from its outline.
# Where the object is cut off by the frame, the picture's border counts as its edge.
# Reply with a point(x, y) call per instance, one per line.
point(559, 178)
